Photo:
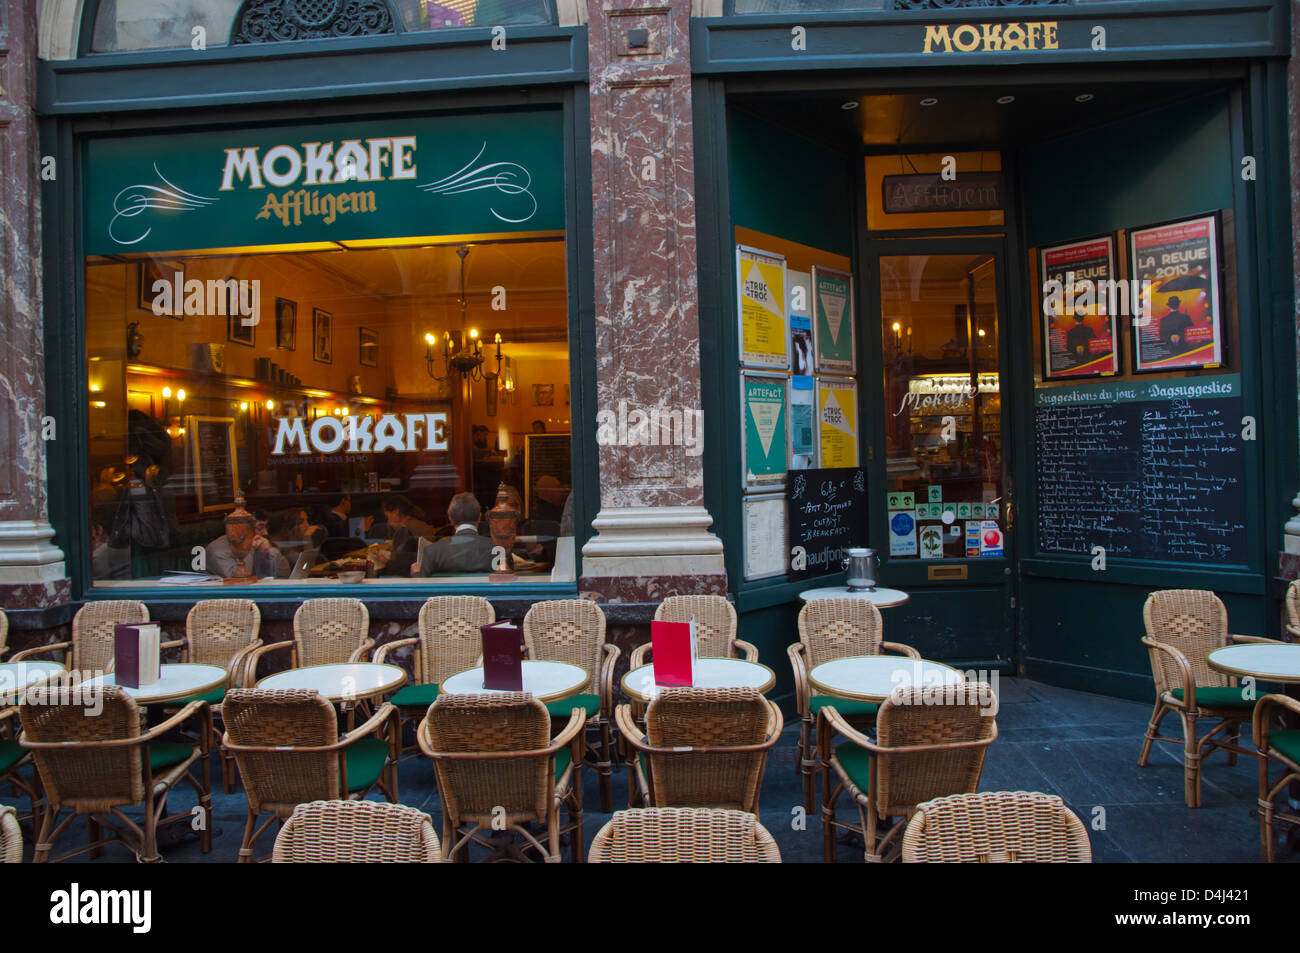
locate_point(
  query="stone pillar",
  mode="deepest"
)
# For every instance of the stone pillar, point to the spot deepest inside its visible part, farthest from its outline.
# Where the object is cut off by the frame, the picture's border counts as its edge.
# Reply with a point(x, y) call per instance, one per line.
point(32, 573)
point(653, 536)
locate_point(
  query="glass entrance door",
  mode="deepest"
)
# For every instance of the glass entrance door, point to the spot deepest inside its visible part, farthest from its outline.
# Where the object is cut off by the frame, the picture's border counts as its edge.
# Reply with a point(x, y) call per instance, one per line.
point(941, 451)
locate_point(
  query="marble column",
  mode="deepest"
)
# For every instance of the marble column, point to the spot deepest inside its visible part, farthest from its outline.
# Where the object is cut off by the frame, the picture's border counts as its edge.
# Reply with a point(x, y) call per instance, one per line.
point(32, 573)
point(653, 537)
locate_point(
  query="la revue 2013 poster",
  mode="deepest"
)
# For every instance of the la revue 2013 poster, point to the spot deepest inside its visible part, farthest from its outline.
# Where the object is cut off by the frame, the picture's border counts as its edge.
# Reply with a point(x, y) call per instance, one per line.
point(1079, 336)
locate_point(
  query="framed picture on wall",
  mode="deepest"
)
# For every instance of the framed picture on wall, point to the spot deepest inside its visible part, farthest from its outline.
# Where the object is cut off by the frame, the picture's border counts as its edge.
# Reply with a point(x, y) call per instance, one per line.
point(239, 328)
point(369, 347)
point(1180, 321)
point(1080, 334)
point(543, 395)
point(148, 273)
point(286, 324)
point(322, 336)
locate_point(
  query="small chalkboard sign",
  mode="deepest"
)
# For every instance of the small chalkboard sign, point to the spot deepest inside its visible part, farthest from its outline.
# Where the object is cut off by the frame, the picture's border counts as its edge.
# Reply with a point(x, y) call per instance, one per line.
point(548, 474)
point(212, 456)
point(826, 512)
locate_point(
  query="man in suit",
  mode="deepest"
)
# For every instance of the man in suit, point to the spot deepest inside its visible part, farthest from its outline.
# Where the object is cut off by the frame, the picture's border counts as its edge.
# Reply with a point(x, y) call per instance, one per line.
point(465, 551)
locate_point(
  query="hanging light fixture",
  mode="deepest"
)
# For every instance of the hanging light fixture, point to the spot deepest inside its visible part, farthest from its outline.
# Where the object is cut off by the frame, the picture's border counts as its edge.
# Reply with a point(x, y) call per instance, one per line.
point(468, 360)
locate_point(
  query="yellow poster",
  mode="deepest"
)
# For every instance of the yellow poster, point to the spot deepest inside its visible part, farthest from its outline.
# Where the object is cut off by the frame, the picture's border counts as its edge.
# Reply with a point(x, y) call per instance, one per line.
point(837, 411)
point(764, 337)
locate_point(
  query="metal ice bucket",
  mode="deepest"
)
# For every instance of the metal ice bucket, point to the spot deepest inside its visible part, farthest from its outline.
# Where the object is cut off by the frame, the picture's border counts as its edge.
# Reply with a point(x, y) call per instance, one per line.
point(863, 567)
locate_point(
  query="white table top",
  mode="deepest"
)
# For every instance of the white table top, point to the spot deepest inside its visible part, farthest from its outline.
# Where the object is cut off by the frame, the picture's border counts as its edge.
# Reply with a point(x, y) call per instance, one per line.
point(709, 673)
point(15, 676)
point(548, 681)
point(881, 597)
point(349, 681)
point(873, 678)
point(174, 682)
point(1274, 663)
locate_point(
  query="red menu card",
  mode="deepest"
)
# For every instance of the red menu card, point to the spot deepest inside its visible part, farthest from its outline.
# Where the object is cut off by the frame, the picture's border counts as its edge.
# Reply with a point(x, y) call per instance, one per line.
point(503, 657)
point(135, 653)
point(675, 649)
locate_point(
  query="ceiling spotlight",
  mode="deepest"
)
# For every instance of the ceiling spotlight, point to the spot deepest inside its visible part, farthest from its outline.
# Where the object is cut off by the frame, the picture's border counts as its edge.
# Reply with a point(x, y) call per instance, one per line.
point(929, 101)
point(851, 104)
point(1004, 100)
point(1083, 98)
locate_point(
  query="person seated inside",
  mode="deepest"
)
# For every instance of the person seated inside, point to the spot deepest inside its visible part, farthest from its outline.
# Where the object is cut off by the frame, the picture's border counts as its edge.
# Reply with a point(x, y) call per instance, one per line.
point(465, 551)
point(106, 562)
point(244, 552)
point(405, 529)
point(294, 533)
point(339, 538)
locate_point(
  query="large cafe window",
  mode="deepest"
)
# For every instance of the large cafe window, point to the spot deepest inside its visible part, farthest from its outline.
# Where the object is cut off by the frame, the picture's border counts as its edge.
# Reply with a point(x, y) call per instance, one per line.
point(378, 410)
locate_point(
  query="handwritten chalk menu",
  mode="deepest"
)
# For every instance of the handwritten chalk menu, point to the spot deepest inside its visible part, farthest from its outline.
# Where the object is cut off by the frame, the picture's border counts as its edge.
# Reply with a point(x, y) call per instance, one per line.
point(826, 512)
point(547, 455)
point(212, 457)
point(1149, 471)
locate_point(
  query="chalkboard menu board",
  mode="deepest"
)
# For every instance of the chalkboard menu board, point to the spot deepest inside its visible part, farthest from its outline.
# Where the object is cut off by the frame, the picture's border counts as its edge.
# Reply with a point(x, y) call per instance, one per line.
point(1151, 471)
point(547, 455)
point(212, 455)
point(826, 512)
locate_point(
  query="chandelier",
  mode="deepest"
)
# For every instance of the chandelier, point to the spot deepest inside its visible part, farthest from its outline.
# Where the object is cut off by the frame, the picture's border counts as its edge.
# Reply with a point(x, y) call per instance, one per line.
point(468, 358)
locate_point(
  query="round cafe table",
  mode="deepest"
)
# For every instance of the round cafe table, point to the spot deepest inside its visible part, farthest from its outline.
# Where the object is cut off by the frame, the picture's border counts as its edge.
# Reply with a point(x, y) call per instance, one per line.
point(873, 678)
point(1271, 663)
point(15, 676)
point(882, 598)
point(175, 681)
point(547, 681)
point(347, 682)
point(709, 673)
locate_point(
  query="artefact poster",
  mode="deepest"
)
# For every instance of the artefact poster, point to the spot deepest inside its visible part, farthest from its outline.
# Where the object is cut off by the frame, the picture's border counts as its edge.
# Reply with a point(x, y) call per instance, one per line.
point(763, 399)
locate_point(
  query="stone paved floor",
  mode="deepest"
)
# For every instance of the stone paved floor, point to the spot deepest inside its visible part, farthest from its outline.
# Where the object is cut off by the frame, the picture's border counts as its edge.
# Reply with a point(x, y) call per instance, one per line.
point(1083, 747)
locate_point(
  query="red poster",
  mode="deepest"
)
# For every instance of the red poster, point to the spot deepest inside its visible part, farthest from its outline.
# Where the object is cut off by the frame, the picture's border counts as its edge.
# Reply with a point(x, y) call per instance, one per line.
point(1080, 303)
point(1177, 267)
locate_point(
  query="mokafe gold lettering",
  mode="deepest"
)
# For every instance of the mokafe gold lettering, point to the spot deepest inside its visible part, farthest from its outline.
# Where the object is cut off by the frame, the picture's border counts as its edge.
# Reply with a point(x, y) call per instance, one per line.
point(990, 37)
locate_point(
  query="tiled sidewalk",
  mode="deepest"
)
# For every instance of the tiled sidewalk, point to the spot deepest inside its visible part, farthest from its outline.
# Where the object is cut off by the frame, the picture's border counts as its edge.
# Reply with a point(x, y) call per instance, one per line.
point(1083, 747)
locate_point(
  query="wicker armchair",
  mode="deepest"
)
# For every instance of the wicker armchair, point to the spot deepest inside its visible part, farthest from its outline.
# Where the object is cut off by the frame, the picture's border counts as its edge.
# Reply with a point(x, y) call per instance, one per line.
point(325, 632)
point(4, 633)
point(449, 642)
point(1017, 827)
point(1293, 609)
point(930, 742)
point(573, 631)
point(715, 627)
point(683, 835)
point(287, 745)
point(1282, 746)
point(831, 629)
point(221, 632)
point(13, 758)
point(702, 747)
point(11, 837)
point(1183, 626)
point(332, 832)
point(498, 768)
point(91, 648)
point(96, 763)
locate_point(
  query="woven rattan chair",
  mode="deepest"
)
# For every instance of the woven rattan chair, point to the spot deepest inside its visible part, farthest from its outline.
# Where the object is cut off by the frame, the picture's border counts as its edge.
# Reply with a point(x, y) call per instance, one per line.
point(1283, 747)
point(332, 832)
point(13, 758)
point(701, 747)
point(287, 745)
point(1293, 609)
point(1016, 827)
point(325, 632)
point(449, 642)
point(11, 836)
point(831, 629)
point(91, 648)
point(683, 835)
point(1183, 626)
point(221, 632)
point(94, 763)
point(499, 769)
point(715, 627)
point(573, 631)
point(930, 742)
point(4, 633)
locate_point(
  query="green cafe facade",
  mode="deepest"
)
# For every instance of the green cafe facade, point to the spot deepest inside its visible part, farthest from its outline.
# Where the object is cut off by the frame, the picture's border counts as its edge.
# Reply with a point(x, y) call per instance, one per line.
point(308, 263)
